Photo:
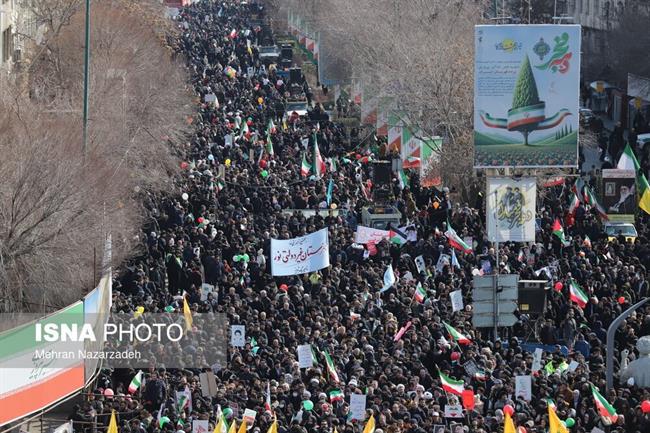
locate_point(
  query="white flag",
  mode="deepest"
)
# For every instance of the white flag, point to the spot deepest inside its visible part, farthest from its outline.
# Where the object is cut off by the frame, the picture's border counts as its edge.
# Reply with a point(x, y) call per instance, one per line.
point(389, 278)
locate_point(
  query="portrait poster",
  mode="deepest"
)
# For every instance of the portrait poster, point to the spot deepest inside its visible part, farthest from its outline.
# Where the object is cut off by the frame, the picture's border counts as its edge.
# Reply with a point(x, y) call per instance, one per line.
point(526, 95)
point(619, 192)
point(510, 209)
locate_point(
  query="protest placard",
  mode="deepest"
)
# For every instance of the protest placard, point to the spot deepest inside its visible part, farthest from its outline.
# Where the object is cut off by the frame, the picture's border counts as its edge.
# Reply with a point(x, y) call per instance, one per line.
point(237, 335)
point(305, 359)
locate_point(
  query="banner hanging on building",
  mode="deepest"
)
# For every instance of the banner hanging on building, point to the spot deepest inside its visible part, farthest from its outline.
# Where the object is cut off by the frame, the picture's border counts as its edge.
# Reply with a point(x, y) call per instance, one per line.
point(430, 164)
point(300, 255)
point(511, 209)
point(526, 95)
point(411, 150)
point(369, 102)
point(394, 132)
point(382, 117)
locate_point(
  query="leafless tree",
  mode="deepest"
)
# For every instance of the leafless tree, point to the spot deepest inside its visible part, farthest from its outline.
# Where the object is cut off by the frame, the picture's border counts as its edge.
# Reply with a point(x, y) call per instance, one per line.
point(56, 205)
point(626, 42)
point(417, 52)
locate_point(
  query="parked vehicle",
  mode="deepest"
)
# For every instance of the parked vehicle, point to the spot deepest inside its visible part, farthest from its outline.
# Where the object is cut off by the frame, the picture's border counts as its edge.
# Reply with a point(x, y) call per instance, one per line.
point(616, 229)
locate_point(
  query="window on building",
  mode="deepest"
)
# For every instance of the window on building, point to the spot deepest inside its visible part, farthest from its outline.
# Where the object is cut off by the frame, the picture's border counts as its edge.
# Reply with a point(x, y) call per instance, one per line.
point(587, 7)
point(579, 9)
point(7, 44)
point(596, 7)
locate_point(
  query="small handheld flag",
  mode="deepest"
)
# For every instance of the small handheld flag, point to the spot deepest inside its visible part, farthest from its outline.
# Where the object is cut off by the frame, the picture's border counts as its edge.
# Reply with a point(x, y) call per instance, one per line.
point(450, 385)
point(135, 383)
point(456, 335)
point(605, 410)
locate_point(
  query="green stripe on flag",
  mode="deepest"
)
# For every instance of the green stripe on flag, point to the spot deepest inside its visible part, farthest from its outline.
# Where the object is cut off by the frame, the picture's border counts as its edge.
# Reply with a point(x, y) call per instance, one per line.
point(23, 338)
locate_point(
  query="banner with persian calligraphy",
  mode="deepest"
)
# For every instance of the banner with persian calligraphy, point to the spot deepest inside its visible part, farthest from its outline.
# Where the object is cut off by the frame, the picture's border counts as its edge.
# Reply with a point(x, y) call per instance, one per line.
point(511, 209)
point(300, 255)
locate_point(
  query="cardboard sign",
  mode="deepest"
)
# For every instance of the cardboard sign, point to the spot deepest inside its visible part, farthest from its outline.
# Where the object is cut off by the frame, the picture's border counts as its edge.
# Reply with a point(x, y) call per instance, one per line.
point(358, 406)
point(249, 417)
point(443, 260)
point(471, 368)
point(524, 387)
point(208, 384)
point(237, 335)
point(573, 365)
point(420, 264)
point(537, 360)
point(200, 426)
point(210, 97)
point(205, 290)
point(305, 359)
point(453, 411)
point(456, 300)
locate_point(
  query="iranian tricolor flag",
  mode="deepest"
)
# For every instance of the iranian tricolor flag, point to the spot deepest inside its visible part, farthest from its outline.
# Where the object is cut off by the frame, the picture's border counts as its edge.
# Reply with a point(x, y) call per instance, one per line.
point(575, 202)
point(521, 257)
point(305, 168)
point(269, 145)
point(577, 295)
point(593, 201)
point(456, 335)
point(450, 385)
point(420, 293)
point(480, 375)
point(606, 410)
point(403, 179)
point(336, 395)
point(270, 128)
point(267, 401)
point(628, 160)
point(456, 241)
point(135, 383)
point(331, 369)
point(553, 181)
point(319, 164)
point(244, 131)
point(558, 231)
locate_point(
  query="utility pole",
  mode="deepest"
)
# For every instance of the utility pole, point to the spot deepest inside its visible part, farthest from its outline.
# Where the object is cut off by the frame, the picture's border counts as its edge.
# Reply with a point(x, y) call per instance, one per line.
point(84, 142)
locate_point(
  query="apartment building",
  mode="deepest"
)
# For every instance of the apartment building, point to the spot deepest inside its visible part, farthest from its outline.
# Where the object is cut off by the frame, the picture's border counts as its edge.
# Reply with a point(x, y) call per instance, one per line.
point(7, 30)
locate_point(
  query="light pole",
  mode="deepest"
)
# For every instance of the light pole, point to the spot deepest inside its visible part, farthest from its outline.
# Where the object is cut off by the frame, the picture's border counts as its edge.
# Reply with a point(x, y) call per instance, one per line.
point(86, 79)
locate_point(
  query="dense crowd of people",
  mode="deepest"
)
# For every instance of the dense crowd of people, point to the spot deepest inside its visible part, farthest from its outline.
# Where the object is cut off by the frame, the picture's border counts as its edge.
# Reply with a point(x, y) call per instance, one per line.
point(340, 309)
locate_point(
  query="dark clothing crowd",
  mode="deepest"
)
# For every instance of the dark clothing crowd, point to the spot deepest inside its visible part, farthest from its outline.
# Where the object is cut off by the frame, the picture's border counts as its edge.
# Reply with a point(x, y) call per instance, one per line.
point(242, 175)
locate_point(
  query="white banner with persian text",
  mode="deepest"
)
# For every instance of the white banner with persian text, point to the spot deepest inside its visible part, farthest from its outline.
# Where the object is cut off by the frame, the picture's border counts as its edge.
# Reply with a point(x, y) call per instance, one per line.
point(300, 255)
point(511, 209)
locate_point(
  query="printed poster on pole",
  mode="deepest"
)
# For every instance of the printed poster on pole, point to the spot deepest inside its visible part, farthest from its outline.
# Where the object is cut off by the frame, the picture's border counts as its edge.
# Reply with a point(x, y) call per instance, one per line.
point(512, 202)
point(526, 95)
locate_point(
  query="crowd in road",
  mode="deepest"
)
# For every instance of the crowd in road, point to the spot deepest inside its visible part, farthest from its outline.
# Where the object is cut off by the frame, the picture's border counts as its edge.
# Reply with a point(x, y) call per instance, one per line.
point(198, 230)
